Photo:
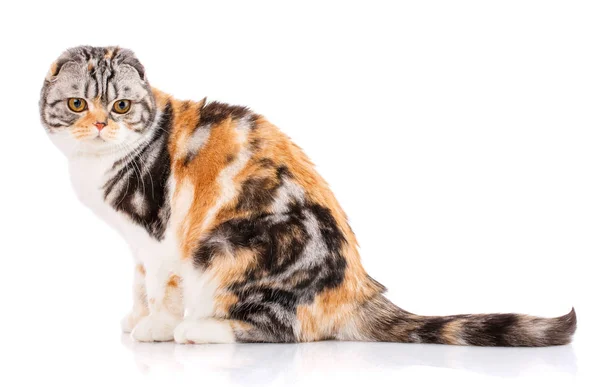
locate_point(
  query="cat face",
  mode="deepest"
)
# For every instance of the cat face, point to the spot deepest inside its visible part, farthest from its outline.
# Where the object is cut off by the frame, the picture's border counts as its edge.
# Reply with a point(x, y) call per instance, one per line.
point(97, 100)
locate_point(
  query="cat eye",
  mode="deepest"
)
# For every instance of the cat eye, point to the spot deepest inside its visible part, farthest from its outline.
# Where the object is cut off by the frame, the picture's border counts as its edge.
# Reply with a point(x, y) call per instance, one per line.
point(76, 104)
point(122, 106)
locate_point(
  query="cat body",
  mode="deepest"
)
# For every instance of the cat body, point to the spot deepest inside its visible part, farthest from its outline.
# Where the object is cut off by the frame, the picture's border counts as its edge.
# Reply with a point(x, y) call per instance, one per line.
point(228, 221)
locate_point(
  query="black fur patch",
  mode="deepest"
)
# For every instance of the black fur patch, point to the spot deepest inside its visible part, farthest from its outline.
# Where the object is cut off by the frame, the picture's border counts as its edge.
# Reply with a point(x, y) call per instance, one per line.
point(216, 112)
point(431, 330)
point(491, 330)
point(259, 192)
point(142, 176)
point(229, 158)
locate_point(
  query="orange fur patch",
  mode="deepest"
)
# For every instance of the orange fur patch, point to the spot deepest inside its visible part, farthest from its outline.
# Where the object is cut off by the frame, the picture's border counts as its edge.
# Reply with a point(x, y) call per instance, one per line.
point(109, 54)
point(185, 114)
point(451, 332)
point(223, 304)
point(53, 71)
point(229, 269)
point(202, 173)
point(174, 281)
point(173, 301)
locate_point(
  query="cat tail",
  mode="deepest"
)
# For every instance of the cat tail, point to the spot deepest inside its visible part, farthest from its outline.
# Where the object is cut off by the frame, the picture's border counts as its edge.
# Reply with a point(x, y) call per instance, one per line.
point(380, 320)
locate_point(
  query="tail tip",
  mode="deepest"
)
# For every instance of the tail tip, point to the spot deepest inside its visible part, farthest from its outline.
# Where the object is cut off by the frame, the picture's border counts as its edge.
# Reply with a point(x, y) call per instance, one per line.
point(571, 318)
point(567, 325)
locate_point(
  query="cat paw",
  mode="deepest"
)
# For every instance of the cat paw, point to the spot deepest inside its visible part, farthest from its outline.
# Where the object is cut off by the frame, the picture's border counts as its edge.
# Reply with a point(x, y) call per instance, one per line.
point(157, 327)
point(130, 321)
point(203, 331)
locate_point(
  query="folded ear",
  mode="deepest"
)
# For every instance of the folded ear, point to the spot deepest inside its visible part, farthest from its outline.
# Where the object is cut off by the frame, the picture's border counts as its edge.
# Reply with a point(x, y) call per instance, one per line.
point(53, 71)
point(127, 57)
point(61, 65)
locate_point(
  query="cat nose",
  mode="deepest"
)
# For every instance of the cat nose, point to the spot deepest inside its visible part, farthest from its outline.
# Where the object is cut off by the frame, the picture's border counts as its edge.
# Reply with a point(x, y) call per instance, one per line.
point(100, 125)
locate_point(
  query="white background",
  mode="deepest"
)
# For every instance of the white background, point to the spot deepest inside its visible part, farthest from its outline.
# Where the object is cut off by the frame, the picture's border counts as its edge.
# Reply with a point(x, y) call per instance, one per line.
point(462, 139)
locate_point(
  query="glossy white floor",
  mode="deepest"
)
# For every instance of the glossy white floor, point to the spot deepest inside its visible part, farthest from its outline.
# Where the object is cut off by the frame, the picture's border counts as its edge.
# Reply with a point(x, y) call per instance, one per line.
point(340, 362)
point(80, 355)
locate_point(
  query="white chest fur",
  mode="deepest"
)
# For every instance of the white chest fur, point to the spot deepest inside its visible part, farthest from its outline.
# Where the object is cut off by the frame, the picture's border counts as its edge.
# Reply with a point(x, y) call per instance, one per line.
point(89, 176)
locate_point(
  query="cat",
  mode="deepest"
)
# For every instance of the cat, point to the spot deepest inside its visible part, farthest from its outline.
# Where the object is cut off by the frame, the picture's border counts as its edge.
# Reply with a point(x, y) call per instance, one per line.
point(228, 221)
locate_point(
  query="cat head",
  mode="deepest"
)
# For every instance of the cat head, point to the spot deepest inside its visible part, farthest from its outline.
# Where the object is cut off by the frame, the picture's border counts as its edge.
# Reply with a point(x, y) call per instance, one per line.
point(96, 100)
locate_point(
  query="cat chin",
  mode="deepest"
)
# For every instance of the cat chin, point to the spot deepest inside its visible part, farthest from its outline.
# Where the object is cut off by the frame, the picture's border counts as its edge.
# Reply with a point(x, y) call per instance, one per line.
point(100, 148)
point(71, 147)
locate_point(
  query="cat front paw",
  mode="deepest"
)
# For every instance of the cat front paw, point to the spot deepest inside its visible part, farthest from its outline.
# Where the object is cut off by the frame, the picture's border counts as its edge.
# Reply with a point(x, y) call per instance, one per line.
point(155, 327)
point(130, 321)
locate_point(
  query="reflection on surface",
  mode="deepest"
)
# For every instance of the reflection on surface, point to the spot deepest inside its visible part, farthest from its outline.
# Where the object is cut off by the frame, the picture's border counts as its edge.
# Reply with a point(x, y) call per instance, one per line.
point(268, 361)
